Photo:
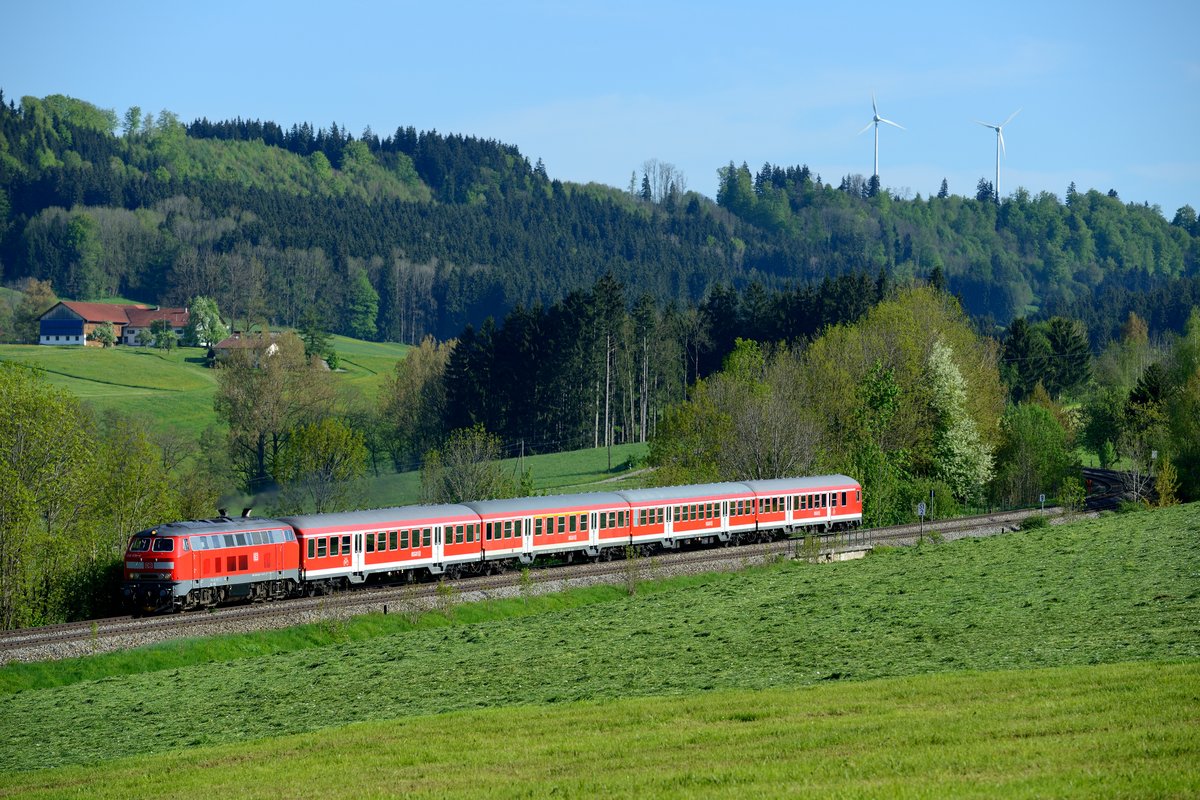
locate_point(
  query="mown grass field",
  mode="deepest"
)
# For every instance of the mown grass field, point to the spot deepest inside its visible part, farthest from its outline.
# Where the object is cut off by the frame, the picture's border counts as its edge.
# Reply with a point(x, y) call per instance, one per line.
point(712, 672)
point(1126, 730)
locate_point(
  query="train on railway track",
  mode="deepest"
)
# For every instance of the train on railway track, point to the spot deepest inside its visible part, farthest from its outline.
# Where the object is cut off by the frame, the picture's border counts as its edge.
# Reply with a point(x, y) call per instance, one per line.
point(201, 563)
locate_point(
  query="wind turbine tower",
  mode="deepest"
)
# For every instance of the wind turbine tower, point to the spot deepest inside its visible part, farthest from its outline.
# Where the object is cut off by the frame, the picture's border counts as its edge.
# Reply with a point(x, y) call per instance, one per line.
point(999, 129)
point(875, 121)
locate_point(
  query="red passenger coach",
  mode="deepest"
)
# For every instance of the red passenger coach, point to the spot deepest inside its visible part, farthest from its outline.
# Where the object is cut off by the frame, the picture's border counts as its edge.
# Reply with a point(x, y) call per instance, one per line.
point(204, 562)
point(530, 526)
point(674, 514)
point(344, 548)
point(825, 501)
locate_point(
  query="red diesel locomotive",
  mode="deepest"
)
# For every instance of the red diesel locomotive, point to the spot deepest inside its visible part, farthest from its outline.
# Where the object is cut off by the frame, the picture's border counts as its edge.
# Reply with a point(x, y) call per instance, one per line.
point(204, 562)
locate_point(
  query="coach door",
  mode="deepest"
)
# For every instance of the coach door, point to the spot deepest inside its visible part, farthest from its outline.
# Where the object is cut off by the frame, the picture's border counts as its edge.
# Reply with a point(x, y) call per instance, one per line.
point(526, 526)
point(357, 559)
point(438, 546)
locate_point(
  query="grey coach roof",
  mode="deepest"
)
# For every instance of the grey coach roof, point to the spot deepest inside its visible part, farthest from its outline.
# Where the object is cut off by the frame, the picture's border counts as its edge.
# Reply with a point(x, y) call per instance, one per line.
point(552, 502)
point(667, 493)
point(379, 517)
point(801, 484)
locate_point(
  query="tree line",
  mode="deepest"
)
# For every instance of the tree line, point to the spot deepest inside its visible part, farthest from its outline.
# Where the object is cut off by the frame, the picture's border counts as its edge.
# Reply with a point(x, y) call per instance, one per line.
point(449, 230)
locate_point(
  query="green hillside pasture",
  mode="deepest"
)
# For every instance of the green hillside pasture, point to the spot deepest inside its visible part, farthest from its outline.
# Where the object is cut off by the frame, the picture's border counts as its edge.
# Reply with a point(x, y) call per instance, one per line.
point(367, 365)
point(1099, 731)
point(173, 389)
point(1113, 590)
point(553, 473)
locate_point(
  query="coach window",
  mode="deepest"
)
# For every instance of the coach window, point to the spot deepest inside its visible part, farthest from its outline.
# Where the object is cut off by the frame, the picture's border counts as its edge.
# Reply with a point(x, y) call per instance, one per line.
point(603, 522)
point(470, 533)
point(843, 498)
point(333, 545)
point(487, 531)
point(370, 543)
point(393, 539)
point(321, 548)
point(858, 495)
point(381, 541)
point(403, 540)
point(426, 536)
point(459, 534)
point(312, 548)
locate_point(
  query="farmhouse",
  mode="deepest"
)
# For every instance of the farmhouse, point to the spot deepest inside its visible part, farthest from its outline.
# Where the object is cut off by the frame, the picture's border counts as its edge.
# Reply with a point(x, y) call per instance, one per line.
point(264, 345)
point(72, 323)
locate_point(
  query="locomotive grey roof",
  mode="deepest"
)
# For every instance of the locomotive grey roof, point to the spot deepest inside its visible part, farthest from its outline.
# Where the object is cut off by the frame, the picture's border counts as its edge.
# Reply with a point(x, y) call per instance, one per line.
point(379, 517)
point(665, 493)
point(532, 505)
point(217, 525)
point(801, 484)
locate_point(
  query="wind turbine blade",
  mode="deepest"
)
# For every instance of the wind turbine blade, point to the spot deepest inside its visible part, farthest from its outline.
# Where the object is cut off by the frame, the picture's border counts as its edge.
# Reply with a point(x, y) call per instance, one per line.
point(893, 124)
point(984, 124)
point(1010, 117)
point(874, 107)
point(864, 130)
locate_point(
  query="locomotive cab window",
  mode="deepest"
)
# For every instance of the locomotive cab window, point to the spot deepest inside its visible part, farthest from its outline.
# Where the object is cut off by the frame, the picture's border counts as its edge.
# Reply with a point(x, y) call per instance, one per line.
point(139, 545)
point(164, 545)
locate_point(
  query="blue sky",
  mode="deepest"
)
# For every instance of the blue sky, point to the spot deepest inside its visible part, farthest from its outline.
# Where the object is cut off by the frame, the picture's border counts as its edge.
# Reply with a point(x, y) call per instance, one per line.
point(1109, 92)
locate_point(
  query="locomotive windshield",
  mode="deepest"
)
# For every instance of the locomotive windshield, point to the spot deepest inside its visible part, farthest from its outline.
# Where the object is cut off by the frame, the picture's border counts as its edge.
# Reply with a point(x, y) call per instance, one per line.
point(164, 545)
point(139, 545)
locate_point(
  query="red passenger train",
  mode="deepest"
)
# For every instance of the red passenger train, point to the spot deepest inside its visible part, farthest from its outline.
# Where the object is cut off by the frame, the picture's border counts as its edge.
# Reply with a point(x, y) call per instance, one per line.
point(202, 563)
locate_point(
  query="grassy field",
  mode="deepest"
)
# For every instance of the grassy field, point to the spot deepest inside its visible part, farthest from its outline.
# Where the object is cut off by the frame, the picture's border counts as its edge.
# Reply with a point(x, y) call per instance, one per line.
point(1115, 590)
point(1126, 730)
point(174, 389)
point(553, 473)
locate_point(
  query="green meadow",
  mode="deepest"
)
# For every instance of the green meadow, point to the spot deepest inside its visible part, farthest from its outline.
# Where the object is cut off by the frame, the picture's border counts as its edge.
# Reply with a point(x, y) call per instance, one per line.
point(174, 390)
point(1051, 662)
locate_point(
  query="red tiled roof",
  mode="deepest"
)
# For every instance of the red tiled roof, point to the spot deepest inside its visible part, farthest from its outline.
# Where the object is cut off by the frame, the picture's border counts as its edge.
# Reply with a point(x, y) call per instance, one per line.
point(142, 317)
point(100, 312)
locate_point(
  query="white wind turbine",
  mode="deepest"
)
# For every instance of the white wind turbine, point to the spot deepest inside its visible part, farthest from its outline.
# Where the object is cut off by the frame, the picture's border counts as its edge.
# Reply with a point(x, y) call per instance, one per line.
point(999, 129)
point(875, 121)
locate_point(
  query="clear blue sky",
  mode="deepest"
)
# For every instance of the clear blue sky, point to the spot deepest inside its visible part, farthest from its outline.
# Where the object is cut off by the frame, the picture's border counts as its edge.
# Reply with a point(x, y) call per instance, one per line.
point(1109, 91)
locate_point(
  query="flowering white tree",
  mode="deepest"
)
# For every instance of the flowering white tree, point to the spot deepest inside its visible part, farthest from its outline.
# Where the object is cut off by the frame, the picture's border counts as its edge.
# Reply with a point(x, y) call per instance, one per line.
point(963, 460)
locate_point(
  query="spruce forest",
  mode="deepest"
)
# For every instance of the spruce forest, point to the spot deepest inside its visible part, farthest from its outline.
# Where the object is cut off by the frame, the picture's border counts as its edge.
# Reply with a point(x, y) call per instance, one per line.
point(964, 345)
